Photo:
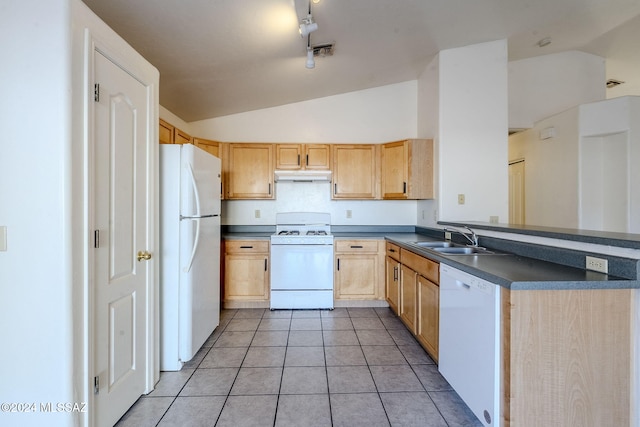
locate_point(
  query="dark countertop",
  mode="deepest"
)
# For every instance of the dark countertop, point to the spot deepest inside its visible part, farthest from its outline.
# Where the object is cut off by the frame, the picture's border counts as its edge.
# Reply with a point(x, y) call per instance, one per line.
point(516, 266)
point(517, 272)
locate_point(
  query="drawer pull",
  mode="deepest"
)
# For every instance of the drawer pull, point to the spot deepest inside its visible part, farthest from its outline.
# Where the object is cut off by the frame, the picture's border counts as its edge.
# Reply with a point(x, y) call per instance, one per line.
point(356, 246)
point(246, 247)
point(392, 250)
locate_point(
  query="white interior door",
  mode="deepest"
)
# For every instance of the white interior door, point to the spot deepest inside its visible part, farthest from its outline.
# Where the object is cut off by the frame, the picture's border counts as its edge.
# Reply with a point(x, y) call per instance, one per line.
point(120, 215)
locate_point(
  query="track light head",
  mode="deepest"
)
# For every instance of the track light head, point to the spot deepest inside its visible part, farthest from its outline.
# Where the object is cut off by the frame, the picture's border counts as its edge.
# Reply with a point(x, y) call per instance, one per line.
point(311, 62)
point(307, 26)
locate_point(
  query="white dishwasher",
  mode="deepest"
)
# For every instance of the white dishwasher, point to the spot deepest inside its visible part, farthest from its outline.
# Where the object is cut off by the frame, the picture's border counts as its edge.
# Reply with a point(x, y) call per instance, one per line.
point(469, 353)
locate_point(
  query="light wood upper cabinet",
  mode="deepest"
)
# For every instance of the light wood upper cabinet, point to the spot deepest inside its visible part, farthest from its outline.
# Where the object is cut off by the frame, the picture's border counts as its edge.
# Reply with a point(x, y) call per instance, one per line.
point(181, 137)
point(250, 171)
point(211, 147)
point(354, 171)
point(303, 156)
point(165, 134)
point(215, 148)
point(317, 156)
point(407, 169)
point(169, 134)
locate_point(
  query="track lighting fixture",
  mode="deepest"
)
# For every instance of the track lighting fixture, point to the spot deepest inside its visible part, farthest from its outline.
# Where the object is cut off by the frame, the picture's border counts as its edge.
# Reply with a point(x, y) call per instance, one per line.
point(307, 26)
point(311, 62)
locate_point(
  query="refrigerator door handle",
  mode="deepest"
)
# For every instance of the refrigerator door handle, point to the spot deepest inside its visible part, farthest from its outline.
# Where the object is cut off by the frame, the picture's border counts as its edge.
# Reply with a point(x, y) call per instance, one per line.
point(187, 268)
point(196, 193)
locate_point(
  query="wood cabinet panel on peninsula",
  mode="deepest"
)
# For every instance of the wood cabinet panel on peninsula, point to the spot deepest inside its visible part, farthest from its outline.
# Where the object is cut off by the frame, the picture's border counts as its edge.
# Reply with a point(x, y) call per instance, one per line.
point(246, 272)
point(250, 171)
point(358, 269)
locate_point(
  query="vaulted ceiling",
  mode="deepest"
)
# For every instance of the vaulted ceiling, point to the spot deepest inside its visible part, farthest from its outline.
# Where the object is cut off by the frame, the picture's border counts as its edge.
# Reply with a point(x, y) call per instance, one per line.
point(219, 57)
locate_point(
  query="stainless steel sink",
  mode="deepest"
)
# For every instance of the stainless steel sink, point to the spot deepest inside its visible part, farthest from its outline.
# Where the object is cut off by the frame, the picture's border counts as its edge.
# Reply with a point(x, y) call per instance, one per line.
point(436, 244)
point(466, 250)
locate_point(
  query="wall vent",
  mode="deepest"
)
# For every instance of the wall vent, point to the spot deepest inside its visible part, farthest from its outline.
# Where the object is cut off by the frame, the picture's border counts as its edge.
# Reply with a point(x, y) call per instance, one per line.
point(613, 83)
point(324, 49)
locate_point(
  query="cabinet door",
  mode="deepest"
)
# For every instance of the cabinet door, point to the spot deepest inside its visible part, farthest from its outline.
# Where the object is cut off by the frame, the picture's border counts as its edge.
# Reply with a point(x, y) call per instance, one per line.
point(165, 134)
point(288, 156)
point(354, 172)
point(181, 137)
point(428, 315)
point(394, 170)
point(408, 297)
point(250, 171)
point(211, 147)
point(317, 156)
point(356, 276)
point(246, 277)
point(392, 283)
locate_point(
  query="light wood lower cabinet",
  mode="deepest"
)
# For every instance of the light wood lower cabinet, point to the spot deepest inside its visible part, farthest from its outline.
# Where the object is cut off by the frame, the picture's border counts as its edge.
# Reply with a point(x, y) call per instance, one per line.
point(358, 269)
point(392, 276)
point(428, 315)
point(246, 272)
point(413, 293)
point(408, 300)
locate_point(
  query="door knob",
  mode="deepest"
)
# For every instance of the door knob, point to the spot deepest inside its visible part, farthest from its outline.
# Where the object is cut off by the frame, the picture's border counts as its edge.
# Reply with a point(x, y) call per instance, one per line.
point(144, 255)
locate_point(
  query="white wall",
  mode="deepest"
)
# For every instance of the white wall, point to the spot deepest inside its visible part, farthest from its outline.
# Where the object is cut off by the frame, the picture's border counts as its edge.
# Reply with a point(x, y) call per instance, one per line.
point(383, 114)
point(613, 126)
point(472, 132)
point(545, 85)
point(375, 115)
point(176, 121)
point(428, 127)
point(551, 170)
point(36, 361)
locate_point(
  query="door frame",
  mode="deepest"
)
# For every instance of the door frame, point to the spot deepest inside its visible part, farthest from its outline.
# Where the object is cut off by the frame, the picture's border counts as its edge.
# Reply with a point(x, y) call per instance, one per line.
point(91, 35)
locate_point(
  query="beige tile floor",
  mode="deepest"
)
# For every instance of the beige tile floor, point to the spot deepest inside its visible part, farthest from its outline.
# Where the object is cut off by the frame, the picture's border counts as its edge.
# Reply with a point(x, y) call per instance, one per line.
point(344, 367)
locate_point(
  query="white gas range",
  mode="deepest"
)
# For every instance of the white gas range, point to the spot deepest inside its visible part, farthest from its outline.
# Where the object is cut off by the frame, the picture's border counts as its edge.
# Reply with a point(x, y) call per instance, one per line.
point(302, 261)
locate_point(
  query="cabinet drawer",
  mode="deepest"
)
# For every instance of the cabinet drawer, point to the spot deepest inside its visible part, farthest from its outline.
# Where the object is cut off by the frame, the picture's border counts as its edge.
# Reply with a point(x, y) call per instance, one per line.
point(356, 246)
point(246, 246)
point(423, 266)
point(393, 251)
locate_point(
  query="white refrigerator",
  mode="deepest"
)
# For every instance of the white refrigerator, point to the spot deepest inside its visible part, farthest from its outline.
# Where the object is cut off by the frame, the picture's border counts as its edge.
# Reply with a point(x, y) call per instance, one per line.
point(190, 251)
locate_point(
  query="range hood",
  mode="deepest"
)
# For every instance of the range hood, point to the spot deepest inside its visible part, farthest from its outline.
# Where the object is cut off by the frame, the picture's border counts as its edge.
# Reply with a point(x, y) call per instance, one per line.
point(302, 176)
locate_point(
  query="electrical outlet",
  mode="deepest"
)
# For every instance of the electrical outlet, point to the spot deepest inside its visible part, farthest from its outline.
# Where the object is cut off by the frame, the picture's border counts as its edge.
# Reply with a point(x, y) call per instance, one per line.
point(597, 264)
point(3, 238)
point(447, 235)
point(257, 213)
point(493, 219)
point(461, 199)
point(349, 213)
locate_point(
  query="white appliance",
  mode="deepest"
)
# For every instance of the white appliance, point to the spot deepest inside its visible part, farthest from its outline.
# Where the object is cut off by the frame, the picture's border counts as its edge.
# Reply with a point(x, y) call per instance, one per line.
point(302, 261)
point(469, 344)
point(190, 251)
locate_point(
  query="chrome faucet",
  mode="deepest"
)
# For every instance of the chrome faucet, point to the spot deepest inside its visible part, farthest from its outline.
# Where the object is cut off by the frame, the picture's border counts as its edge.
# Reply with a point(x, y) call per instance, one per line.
point(473, 239)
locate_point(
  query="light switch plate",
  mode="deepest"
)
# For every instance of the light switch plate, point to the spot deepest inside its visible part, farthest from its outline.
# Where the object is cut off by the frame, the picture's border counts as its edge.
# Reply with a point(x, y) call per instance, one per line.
point(3, 238)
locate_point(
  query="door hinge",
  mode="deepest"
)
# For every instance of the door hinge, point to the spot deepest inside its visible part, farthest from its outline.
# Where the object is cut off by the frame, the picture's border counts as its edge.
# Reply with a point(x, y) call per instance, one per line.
point(96, 92)
point(96, 385)
point(96, 239)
